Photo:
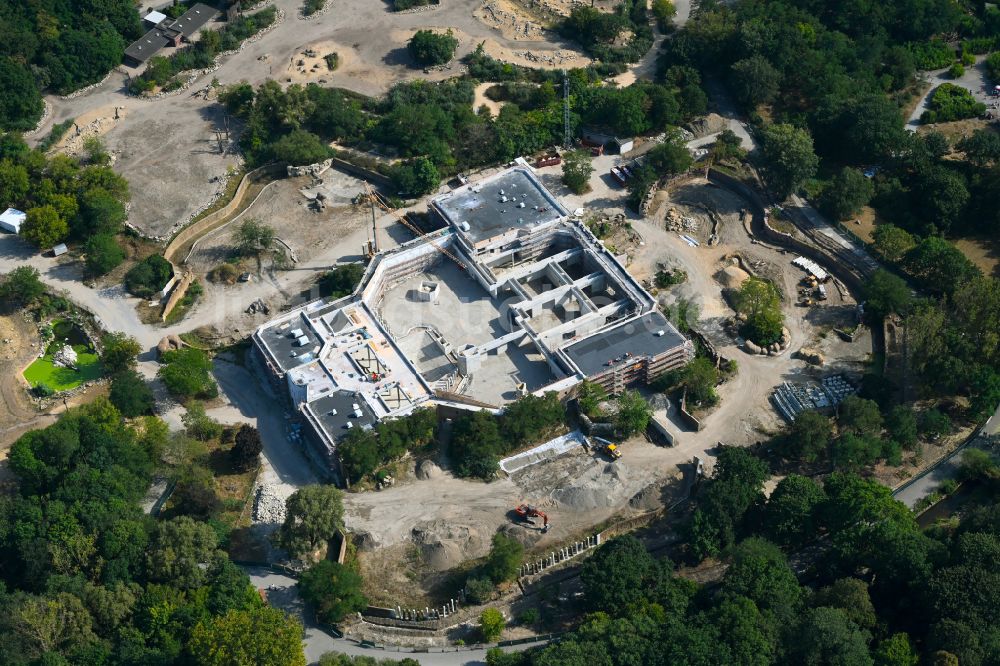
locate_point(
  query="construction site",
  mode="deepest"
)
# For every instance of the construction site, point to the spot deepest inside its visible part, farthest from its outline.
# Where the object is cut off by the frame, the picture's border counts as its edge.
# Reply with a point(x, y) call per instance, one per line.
point(511, 297)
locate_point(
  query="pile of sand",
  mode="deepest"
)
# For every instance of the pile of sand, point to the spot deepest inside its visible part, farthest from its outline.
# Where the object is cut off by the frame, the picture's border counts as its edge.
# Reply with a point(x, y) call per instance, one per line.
point(732, 277)
point(706, 125)
point(444, 544)
point(600, 487)
point(427, 471)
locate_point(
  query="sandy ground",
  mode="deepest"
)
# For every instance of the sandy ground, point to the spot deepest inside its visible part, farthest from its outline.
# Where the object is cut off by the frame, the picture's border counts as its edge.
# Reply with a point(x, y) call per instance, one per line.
point(480, 99)
point(983, 252)
point(168, 148)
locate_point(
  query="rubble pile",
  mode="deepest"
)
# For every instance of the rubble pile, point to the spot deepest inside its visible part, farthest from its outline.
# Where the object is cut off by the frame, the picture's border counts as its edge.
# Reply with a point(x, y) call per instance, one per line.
point(494, 15)
point(677, 222)
point(268, 507)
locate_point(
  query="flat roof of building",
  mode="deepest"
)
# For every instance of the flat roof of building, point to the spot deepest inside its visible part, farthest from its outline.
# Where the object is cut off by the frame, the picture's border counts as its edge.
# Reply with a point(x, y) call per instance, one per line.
point(336, 410)
point(286, 347)
point(193, 19)
point(147, 46)
point(512, 199)
point(154, 17)
point(637, 337)
point(187, 24)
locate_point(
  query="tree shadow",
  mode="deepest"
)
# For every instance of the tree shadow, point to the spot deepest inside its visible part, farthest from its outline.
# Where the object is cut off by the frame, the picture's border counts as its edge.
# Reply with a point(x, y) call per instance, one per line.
point(400, 57)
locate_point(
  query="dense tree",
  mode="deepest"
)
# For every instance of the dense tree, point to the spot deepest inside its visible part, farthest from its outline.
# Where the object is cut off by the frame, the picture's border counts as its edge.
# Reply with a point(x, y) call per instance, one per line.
point(576, 170)
point(104, 254)
point(790, 518)
point(981, 148)
point(120, 352)
point(617, 574)
point(827, 636)
point(416, 178)
point(754, 81)
point(333, 589)
point(491, 624)
point(44, 226)
point(131, 394)
point(262, 636)
point(633, 413)
point(892, 242)
point(183, 552)
point(21, 105)
point(148, 276)
point(198, 424)
point(313, 514)
point(187, 373)
point(300, 147)
point(341, 281)
point(846, 193)
point(670, 157)
point(247, 448)
point(21, 287)
point(939, 265)
point(808, 438)
point(699, 378)
point(504, 560)
point(885, 294)
point(101, 212)
point(788, 157)
point(430, 48)
point(760, 302)
point(253, 236)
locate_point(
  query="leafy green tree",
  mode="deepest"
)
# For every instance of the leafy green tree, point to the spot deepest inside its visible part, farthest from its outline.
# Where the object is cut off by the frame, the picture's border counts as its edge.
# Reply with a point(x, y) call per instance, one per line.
point(261, 636)
point(699, 378)
point(892, 242)
point(728, 146)
point(808, 438)
point(934, 423)
point(417, 177)
point(941, 197)
point(478, 590)
point(633, 413)
point(183, 552)
point(754, 81)
point(21, 287)
point(14, 182)
point(951, 102)
point(101, 212)
point(131, 394)
point(788, 157)
point(198, 424)
point(247, 448)
point(148, 276)
point(846, 194)
point(850, 595)
point(939, 265)
point(21, 105)
point(859, 416)
point(360, 454)
point(104, 254)
point(313, 514)
point(430, 48)
point(761, 573)
point(254, 236)
point(120, 352)
point(826, 636)
point(590, 397)
point(341, 281)
point(333, 589)
point(504, 560)
point(44, 227)
point(300, 147)
point(617, 574)
point(901, 423)
point(52, 626)
point(576, 170)
point(664, 11)
point(896, 650)
point(670, 157)
point(491, 624)
point(981, 148)
point(187, 373)
point(885, 294)
point(791, 515)
point(759, 301)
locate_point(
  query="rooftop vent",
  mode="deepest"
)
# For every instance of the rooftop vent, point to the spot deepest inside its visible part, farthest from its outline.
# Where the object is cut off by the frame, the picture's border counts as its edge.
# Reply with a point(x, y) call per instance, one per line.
point(660, 333)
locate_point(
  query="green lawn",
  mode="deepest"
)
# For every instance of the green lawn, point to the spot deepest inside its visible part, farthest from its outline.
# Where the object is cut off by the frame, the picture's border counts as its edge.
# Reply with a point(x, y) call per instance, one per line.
point(43, 371)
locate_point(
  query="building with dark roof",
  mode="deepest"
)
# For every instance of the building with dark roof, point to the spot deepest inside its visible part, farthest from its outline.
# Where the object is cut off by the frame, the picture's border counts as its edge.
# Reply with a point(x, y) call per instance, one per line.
point(169, 32)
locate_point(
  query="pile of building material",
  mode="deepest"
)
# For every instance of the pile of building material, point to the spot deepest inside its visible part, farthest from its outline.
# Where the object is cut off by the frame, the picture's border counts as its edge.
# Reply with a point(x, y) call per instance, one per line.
point(677, 222)
point(792, 399)
point(268, 507)
point(258, 306)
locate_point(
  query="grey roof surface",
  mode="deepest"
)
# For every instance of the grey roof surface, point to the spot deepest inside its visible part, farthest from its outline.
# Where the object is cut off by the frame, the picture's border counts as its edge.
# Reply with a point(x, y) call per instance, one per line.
point(283, 345)
point(488, 216)
point(342, 401)
point(187, 24)
point(147, 46)
point(637, 337)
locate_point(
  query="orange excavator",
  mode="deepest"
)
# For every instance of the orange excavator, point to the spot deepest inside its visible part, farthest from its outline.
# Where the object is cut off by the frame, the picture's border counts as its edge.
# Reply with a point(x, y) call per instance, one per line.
point(526, 512)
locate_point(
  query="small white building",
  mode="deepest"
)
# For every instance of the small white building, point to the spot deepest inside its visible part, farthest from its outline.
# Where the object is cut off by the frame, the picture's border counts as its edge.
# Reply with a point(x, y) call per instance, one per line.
point(11, 220)
point(154, 18)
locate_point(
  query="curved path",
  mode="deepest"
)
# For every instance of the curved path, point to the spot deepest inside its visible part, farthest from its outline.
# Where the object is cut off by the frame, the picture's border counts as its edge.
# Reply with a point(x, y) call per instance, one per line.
point(281, 592)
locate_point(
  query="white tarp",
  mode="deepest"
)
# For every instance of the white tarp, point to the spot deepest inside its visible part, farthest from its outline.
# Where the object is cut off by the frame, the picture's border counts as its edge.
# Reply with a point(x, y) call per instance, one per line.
point(550, 449)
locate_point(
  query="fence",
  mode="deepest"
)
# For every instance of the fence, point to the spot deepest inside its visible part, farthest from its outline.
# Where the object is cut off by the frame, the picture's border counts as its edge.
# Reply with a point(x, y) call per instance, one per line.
point(560, 555)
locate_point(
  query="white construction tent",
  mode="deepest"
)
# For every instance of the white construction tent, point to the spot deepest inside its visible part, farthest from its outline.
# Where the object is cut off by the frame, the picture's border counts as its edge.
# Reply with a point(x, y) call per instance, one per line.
point(12, 219)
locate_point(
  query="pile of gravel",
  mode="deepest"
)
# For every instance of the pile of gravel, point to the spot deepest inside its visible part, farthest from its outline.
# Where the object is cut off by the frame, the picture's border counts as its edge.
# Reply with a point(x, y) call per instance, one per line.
point(268, 507)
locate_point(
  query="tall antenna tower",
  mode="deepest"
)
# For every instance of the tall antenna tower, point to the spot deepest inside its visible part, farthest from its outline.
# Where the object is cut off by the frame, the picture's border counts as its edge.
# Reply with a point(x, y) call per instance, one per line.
point(567, 138)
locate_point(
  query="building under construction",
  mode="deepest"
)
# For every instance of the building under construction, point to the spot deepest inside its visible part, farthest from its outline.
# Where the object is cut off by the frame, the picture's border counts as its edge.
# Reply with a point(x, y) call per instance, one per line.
point(512, 296)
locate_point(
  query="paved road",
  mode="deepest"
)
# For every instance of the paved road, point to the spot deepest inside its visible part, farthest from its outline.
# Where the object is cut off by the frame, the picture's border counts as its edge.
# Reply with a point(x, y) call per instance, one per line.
point(927, 483)
point(282, 593)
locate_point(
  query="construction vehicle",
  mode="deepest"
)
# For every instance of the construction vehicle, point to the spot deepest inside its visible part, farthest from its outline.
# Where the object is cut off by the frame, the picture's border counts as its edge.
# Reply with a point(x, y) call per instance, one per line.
point(610, 449)
point(526, 512)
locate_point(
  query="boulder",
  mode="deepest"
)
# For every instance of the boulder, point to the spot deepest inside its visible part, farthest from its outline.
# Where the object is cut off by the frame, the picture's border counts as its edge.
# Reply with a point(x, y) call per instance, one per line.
point(751, 347)
point(427, 470)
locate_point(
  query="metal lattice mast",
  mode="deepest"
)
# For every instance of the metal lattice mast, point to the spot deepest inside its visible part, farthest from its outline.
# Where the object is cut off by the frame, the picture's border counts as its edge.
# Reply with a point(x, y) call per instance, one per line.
point(567, 138)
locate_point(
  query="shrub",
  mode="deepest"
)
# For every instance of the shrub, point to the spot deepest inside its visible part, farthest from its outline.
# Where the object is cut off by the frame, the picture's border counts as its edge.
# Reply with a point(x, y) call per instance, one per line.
point(478, 590)
point(149, 276)
point(247, 449)
point(504, 559)
point(341, 281)
point(187, 374)
point(104, 254)
point(491, 623)
point(956, 71)
point(131, 394)
point(431, 48)
point(951, 102)
point(224, 273)
point(333, 589)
